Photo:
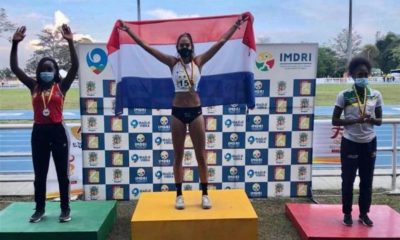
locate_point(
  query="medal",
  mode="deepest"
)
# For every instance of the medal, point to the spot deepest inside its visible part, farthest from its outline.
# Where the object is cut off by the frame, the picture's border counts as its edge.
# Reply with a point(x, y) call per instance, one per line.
point(46, 111)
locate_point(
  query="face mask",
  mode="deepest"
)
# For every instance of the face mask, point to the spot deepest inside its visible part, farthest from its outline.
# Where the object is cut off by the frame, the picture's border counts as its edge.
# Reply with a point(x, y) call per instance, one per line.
point(185, 52)
point(47, 76)
point(361, 82)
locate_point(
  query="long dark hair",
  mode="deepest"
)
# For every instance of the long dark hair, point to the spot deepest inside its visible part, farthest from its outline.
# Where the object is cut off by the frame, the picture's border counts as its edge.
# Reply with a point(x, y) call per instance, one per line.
point(185, 34)
point(57, 77)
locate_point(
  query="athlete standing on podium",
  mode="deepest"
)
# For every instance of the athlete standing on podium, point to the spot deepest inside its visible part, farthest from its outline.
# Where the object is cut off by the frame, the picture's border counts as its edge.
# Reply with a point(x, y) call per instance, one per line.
point(362, 108)
point(49, 135)
point(186, 106)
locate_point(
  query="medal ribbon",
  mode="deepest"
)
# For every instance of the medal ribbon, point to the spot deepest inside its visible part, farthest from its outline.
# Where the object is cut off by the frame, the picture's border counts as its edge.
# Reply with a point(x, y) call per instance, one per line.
point(48, 100)
point(362, 111)
point(191, 83)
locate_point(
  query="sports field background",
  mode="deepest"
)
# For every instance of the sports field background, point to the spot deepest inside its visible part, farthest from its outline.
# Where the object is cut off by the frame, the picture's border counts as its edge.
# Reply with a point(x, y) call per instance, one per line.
point(20, 99)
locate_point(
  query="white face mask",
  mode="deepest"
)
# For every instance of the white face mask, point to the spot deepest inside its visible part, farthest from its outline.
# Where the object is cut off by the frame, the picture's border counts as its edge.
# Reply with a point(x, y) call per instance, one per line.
point(47, 76)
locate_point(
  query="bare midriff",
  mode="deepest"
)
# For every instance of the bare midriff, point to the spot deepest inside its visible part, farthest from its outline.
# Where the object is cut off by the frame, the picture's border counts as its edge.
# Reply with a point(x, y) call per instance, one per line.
point(186, 99)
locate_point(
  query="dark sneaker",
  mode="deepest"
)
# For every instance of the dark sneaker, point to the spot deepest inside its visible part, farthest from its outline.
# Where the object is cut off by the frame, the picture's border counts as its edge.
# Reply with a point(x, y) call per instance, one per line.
point(364, 219)
point(37, 216)
point(347, 220)
point(65, 216)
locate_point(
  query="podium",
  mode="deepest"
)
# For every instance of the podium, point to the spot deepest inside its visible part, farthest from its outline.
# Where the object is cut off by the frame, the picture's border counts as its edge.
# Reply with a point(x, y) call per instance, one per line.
point(91, 220)
point(231, 217)
point(324, 221)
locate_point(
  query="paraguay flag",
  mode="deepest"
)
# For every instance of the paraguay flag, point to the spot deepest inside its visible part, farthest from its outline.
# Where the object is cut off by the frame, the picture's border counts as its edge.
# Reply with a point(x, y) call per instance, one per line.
point(144, 82)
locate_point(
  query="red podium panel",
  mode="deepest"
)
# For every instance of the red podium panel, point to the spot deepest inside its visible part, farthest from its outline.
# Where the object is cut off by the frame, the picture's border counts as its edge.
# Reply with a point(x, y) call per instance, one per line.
point(324, 221)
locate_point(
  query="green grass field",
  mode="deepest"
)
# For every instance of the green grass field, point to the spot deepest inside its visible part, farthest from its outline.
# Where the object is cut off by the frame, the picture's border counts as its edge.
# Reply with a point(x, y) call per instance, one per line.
point(13, 99)
point(326, 95)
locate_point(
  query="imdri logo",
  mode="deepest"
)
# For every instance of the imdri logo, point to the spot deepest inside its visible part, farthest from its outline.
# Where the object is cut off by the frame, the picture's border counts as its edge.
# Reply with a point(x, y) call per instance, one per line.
point(141, 142)
point(164, 155)
point(96, 60)
point(163, 121)
point(255, 157)
point(140, 138)
point(141, 172)
point(257, 154)
point(295, 57)
point(256, 187)
point(265, 61)
point(233, 171)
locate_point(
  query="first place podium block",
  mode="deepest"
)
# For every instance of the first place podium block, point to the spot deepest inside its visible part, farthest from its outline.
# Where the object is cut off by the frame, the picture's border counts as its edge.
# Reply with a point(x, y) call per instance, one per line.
point(231, 217)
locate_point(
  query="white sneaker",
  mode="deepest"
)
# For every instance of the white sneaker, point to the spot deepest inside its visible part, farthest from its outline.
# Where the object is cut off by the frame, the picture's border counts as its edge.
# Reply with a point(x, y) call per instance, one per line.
point(179, 203)
point(205, 202)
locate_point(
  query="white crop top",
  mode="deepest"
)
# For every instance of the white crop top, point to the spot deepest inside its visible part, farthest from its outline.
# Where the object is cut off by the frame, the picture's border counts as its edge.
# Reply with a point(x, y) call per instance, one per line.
point(181, 77)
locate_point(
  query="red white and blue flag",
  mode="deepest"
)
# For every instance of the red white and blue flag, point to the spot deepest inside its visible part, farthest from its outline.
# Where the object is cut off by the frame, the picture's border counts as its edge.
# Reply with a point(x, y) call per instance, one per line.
point(144, 82)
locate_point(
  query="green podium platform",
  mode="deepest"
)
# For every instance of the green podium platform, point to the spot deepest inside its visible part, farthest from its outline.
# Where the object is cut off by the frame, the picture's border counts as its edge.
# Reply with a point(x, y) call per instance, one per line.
point(90, 220)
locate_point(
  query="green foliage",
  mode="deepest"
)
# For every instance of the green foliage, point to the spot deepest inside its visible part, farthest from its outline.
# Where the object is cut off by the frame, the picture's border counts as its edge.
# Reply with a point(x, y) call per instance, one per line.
point(6, 73)
point(383, 55)
point(389, 47)
point(5, 25)
point(329, 65)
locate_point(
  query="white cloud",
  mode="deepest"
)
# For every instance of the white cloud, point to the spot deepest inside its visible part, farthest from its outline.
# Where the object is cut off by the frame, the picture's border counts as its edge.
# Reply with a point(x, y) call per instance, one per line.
point(80, 36)
point(33, 44)
point(160, 13)
point(59, 19)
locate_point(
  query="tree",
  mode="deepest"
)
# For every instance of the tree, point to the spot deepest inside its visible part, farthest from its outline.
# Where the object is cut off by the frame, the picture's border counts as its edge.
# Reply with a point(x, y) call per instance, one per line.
point(327, 62)
point(51, 44)
point(340, 44)
point(389, 48)
point(396, 56)
point(371, 52)
point(6, 73)
point(5, 25)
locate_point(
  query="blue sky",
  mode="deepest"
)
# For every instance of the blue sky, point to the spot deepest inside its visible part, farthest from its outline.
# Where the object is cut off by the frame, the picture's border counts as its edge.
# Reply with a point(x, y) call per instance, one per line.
point(278, 20)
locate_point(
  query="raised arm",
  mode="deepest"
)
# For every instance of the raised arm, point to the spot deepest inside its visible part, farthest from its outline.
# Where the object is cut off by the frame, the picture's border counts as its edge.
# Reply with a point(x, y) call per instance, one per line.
point(169, 60)
point(19, 35)
point(203, 58)
point(67, 81)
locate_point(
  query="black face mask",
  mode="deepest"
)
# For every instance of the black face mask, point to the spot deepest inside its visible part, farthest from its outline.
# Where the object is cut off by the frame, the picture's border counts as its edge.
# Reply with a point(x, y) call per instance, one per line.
point(185, 52)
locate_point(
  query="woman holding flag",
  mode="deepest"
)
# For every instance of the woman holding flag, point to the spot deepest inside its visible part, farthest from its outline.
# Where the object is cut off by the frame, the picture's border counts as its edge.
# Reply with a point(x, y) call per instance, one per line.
point(49, 133)
point(186, 106)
